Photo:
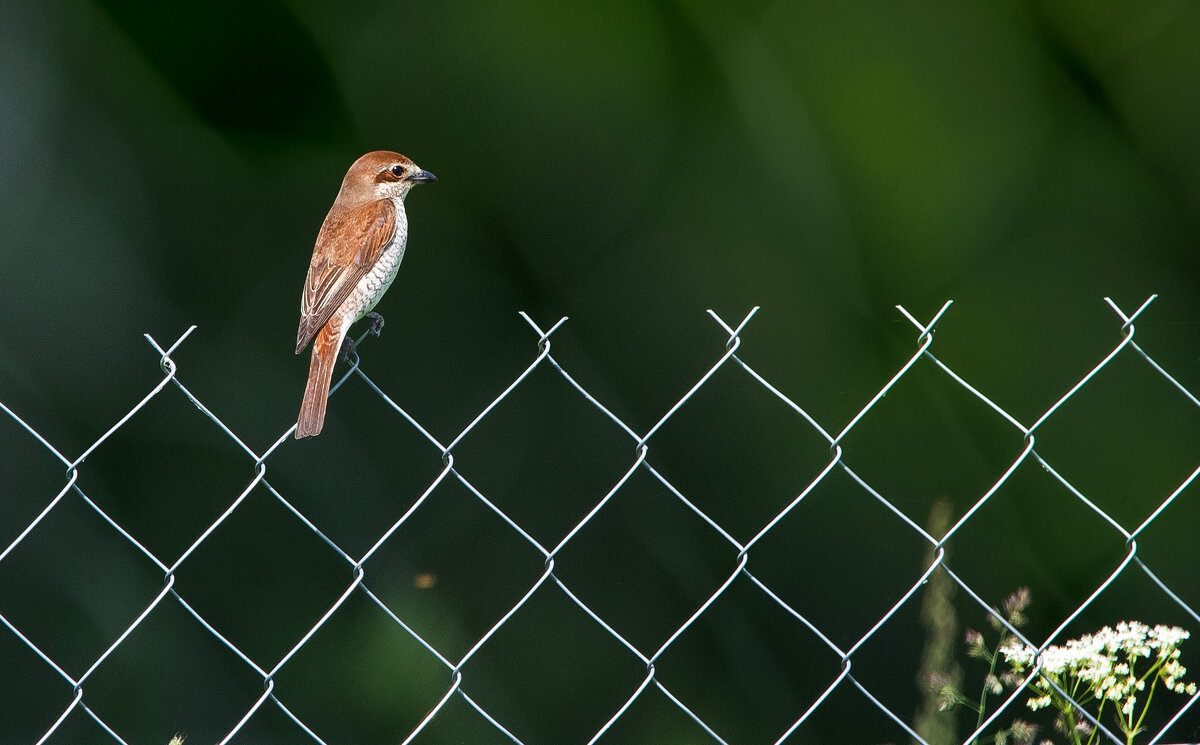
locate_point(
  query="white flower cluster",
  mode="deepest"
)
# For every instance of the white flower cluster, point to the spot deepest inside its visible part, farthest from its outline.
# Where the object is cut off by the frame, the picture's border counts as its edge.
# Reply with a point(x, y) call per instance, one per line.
point(1102, 664)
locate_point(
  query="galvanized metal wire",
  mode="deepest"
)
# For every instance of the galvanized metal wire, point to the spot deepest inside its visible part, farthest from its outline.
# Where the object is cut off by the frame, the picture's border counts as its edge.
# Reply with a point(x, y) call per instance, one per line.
point(76, 681)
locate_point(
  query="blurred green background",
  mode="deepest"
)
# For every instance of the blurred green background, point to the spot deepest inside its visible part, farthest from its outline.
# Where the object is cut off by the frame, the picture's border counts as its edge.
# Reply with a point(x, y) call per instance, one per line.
point(627, 164)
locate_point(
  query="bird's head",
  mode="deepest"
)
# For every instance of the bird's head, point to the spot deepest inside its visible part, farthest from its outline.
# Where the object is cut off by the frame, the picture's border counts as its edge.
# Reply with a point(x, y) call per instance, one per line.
point(381, 175)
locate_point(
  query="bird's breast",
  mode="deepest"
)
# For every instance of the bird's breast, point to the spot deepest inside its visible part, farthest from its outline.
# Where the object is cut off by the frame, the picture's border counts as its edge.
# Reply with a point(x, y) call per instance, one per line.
point(376, 282)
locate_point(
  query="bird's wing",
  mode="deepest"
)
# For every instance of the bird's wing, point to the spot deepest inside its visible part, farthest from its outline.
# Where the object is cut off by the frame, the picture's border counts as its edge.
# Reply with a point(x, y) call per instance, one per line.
point(349, 244)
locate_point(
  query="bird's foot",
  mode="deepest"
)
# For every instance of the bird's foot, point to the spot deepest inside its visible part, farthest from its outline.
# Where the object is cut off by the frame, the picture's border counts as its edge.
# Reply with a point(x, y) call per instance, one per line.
point(375, 324)
point(349, 351)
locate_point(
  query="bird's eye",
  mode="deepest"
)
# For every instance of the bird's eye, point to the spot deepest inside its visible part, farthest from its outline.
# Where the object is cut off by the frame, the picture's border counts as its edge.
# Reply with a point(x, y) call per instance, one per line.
point(398, 171)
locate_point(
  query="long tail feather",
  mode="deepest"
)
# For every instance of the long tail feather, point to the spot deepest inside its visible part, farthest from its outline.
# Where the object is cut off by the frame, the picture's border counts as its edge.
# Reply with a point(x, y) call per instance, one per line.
point(316, 391)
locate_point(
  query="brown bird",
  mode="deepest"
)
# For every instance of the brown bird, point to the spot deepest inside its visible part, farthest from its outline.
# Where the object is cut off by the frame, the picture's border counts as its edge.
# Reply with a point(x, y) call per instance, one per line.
point(356, 257)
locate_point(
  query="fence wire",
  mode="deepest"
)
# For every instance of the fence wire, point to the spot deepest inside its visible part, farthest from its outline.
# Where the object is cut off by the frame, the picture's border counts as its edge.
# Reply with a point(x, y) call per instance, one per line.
point(75, 678)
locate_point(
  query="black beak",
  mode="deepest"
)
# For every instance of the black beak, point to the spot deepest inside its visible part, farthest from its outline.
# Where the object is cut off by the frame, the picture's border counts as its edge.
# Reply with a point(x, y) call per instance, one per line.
point(422, 176)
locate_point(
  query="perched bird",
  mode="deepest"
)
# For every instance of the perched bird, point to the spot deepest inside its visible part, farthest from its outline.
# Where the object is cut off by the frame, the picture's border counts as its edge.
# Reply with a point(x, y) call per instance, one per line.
point(356, 257)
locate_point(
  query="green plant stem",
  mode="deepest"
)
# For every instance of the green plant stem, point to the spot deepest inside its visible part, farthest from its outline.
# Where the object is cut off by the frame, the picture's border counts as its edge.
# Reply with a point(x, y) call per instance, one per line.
point(1145, 707)
point(1069, 720)
point(993, 657)
point(1095, 736)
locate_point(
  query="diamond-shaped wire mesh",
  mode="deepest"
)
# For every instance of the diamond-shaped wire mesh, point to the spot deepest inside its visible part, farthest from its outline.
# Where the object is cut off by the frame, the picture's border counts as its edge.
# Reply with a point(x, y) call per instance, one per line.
point(595, 576)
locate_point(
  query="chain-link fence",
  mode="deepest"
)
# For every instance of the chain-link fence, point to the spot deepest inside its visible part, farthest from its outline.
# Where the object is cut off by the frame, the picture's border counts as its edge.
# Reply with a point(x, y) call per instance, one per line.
point(637, 673)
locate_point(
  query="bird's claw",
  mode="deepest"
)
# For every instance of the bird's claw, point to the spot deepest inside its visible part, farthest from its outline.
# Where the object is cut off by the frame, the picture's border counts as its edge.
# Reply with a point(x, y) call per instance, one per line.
point(349, 351)
point(375, 324)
